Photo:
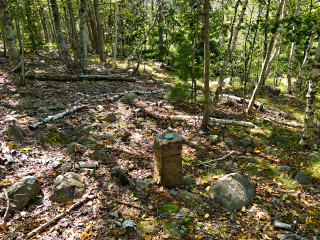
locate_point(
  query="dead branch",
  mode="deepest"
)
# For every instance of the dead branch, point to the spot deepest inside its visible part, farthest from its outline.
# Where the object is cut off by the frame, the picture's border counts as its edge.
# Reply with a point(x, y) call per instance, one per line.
point(43, 226)
point(7, 208)
point(75, 77)
point(10, 235)
point(217, 159)
point(258, 105)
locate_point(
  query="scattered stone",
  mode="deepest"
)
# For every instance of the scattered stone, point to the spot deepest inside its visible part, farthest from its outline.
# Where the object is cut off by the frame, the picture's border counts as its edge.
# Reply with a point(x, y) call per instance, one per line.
point(213, 139)
point(88, 142)
point(188, 181)
point(285, 169)
point(141, 183)
point(21, 192)
point(233, 192)
point(67, 187)
point(230, 142)
point(189, 195)
point(62, 137)
point(25, 103)
point(125, 135)
point(66, 167)
point(290, 236)
point(15, 132)
point(274, 91)
point(72, 148)
point(60, 106)
point(128, 223)
point(247, 142)
point(315, 156)
point(167, 159)
point(302, 178)
point(229, 165)
point(109, 117)
point(98, 155)
point(271, 150)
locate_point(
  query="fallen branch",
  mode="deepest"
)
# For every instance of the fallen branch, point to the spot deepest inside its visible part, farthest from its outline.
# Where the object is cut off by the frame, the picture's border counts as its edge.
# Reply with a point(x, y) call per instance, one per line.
point(43, 226)
point(217, 159)
point(10, 235)
point(166, 67)
point(258, 105)
point(73, 77)
point(57, 116)
point(7, 208)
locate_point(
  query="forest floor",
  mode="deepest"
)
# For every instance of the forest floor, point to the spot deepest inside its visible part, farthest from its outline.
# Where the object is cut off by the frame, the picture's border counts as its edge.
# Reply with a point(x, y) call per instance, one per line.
point(277, 197)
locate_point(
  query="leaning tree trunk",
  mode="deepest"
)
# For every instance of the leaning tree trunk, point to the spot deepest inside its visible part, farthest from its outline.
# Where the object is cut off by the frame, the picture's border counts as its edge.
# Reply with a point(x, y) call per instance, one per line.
point(8, 35)
point(206, 112)
point(266, 61)
point(231, 47)
point(297, 84)
point(83, 34)
point(100, 31)
point(311, 96)
point(60, 40)
point(292, 51)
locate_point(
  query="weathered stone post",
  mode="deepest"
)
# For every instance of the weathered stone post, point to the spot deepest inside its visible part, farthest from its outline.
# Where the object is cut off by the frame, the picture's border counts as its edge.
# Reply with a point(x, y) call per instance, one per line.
point(167, 159)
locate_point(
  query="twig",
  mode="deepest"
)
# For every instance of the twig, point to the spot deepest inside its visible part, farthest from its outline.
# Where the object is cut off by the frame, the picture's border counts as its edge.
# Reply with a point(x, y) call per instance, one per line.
point(217, 159)
point(43, 226)
point(18, 228)
point(129, 204)
point(8, 205)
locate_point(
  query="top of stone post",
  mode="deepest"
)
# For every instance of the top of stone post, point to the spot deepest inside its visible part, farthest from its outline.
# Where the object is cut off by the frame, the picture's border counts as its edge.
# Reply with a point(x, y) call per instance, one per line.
point(168, 137)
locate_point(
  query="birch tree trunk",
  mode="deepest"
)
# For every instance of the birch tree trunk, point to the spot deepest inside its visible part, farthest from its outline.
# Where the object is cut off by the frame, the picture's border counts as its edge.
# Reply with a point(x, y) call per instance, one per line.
point(74, 35)
point(311, 96)
point(292, 51)
point(265, 42)
point(60, 40)
point(100, 32)
point(266, 61)
point(206, 112)
point(83, 34)
point(231, 46)
point(14, 57)
point(297, 84)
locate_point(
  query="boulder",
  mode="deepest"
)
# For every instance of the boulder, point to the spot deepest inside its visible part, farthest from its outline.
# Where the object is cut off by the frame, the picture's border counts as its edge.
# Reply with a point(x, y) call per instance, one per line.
point(247, 142)
point(67, 187)
point(315, 156)
point(72, 148)
point(21, 192)
point(233, 192)
point(213, 139)
point(230, 142)
point(98, 155)
point(302, 178)
point(274, 91)
point(88, 142)
point(15, 132)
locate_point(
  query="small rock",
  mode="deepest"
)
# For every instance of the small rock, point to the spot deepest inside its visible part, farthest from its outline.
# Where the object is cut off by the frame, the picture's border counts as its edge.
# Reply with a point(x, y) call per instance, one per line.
point(270, 150)
point(229, 165)
point(67, 187)
point(315, 156)
point(21, 192)
point(110, 117)
point(213, 139)
point(141, 183)
point(275, 91)
point(128, 223)
point(247, 142)
point(63, 137)
point(285, 169)
point(125, 135)
point(88, 142)
point(66, 167)
point(230, 142)
point(290, 236)
point(188, 181)
point(44, 110)
point(25, 103)
point(72, 148)
point(98, 155)
point(15, 132)
point(60, 106)
point(302, 178)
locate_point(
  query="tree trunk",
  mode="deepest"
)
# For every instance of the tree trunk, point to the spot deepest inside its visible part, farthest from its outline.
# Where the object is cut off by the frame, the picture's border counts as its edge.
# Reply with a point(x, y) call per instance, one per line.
point(206, 112)
point(292, 51)
point(297, 84)
point(266, 61)
point(60, 40)
point(100, 31)
point(122, 33)
point(93, 25)
point(14, 57)
point(43, 22)
point(311, 96)
point(115, 35)
point(83, 34)
point(160, 32)
point(265, 43)
point(74, 35)
point(231, 46)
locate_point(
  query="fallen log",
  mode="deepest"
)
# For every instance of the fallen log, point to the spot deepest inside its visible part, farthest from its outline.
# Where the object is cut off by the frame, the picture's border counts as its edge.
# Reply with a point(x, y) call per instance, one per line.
point(76, 77)
point(258, 105)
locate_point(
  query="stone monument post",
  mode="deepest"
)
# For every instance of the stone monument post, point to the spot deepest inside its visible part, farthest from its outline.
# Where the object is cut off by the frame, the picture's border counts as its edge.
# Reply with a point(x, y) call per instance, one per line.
point(168, 160)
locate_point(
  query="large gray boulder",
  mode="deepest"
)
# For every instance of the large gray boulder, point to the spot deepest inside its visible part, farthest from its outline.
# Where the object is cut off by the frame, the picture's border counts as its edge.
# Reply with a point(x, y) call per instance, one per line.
point(233, 192)
point(274, 91)
point(302, 178)
point(67, 187)
point(14, 132)
point(21, 192)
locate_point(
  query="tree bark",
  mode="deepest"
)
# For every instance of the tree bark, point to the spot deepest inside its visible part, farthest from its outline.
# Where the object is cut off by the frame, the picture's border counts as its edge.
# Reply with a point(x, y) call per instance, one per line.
point(14, 57)
point(265, 43)
point(160, 31)
point(266, 61)
point(206, 112)
point(74, 35)
point(296, 87)
point(83, 34)
point(292, 51)
point(122, 33)
point(100, 31)
point(231, 46)
point(115, 35)
point(60, 40)
point(311, 96)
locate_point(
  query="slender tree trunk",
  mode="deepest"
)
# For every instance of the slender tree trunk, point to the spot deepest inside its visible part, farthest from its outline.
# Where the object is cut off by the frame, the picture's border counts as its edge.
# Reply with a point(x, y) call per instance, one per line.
point(83, 34)
point(297, 84)
point(262, 76)
point(115, 35)
point(100, 31)
point(160, 32)
point(93, 25)
point(43, 22)
point(74, 35)
point(60, 40)
point(265, 42)
point(311, 96)
point(14, 57)
point(194, 82)
point(53, 26)
point(122, 33)
point(292, 51)
point(4, 42)
point(231, 46)
point(206, 112)
point(17, 23)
